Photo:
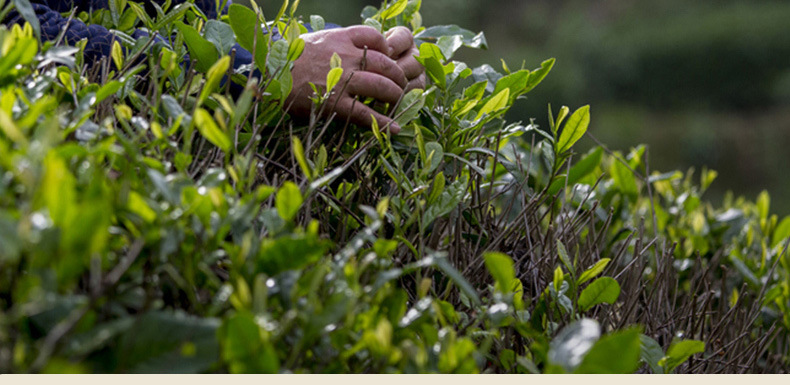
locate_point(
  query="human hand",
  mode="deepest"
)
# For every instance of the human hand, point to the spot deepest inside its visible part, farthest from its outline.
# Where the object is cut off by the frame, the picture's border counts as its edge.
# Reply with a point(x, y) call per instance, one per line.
point(403, 50)
point(368, 71)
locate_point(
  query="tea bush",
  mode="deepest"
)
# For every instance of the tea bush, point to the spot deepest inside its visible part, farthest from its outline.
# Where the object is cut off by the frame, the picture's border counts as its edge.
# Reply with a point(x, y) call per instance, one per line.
point(150, 221)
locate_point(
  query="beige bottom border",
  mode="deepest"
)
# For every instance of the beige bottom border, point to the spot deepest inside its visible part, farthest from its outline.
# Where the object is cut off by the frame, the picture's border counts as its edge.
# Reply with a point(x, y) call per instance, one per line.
point(402, 379)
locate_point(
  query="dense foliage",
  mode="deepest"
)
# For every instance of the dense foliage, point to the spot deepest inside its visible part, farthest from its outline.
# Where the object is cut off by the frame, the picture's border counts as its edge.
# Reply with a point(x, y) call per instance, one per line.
point(152, 222)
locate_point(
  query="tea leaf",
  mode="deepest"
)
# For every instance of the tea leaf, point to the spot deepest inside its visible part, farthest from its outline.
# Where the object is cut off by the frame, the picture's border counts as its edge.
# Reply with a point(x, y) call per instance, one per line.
point(574, 129)
point(501, 268)
point(602, 290)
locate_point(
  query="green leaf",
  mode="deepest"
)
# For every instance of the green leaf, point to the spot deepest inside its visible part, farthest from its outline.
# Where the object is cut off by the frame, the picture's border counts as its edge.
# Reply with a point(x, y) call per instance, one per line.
point(394, 9)
point(107, 90)
point(219, 34)
point(782, 232)
point(246, 347)
point(496, 103)
point(116, 53)
point(199, 48)
point(447, 202)
point(623, 178)
point(596, 269)
point(614, 353)
point(582, 168)
point(316, 22)
point(245, 23)
point(288, 201)
point(214, 77)
point(602, 290)
point(26, 10)
point(574, 129)
point(514, 82)
point(565, 258)
point(409, 107)
point(333, 77)
point(537, 76)
point(435, 71)
point(298, 151)
point(501, 268)
point(290, 252)
point(449, 44)
point(295, 49)
point(208, 128)
point(651, 353)
point(680, 352)
point(763, 204)
point(469, 38)
point(168, 342)
point(434, 153)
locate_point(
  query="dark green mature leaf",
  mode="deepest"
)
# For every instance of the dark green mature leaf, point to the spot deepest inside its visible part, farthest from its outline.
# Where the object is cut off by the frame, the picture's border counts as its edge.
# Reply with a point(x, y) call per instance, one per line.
point(245, 24)
point(570, 345)
point(199, 48)
point(169, 342)
point(582, 168)
point(501, 268)
point(469, 38)
point(219, 34)
point(614, 353)
point(245, 346)
point(680, 352)
point(446, 203)
point(449, 44)
point(409, 107)
point(651, 354)
point(602, 290)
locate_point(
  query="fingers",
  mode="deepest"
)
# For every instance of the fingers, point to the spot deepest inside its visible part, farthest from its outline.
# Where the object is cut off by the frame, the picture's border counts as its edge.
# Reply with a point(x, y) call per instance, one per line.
point(362, 115)
point(368, 84)
point(416, 83)
point(400, 40)
point(381, 64)
point(363, 36)
point(410, 66)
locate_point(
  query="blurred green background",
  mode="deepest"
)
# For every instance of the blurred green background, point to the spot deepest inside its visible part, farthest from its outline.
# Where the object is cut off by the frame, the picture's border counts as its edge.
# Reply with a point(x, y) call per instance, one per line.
point(702, 83)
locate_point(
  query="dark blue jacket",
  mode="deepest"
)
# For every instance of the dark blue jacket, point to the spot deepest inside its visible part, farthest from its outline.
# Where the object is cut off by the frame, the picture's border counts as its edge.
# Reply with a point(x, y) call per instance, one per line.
point(99, 39)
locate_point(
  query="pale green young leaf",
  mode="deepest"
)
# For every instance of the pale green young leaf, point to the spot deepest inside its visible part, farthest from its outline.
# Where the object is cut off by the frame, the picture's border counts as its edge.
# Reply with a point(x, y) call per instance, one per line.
point(332, 78)
point(593, 271)
point(394, 9)
point(298, 151)
point(574, 129)
point(288, 201)
point(680, 352)
point(501, 268)
point(496, 103)
point(335, 61)
point(117, 54)
point(210, 130)
point(214, 77)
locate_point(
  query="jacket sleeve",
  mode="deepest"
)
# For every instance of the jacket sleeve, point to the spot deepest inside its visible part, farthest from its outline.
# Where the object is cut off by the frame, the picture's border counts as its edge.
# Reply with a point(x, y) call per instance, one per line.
point(53, 24)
